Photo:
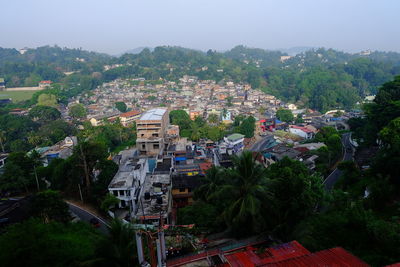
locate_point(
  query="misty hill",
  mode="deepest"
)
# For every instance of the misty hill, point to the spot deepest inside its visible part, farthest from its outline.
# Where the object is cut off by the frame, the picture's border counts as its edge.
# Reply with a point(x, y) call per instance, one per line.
point(136, 50)
point(62, 57)
point(319, 78)
point(292, 51)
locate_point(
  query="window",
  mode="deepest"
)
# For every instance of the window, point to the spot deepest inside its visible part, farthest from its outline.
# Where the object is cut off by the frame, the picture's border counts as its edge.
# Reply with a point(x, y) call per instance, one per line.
point(181, 190)
point(142, 135)
point(156, 146)
point(143, 146)
point(155, 135)
point(123, 204)
point(190, 190)
point(115, 192)
point(121, 192)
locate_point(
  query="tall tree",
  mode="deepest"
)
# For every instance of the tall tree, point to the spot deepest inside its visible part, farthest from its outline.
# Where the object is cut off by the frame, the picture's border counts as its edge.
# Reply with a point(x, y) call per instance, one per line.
point(49, 100)
point(248, 194)
point(77, 111)
point(17, 174)
point(119, 248)
point(32, 243)
point(49, 206)
point(44, 113)
point(121, 106)
point(295, 195)
point(285, 115)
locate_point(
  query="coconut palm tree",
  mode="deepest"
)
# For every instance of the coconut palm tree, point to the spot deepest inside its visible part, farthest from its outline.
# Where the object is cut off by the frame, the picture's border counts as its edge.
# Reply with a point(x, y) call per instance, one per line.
point(213, 118)
point(118, 248)
point(212, 183)
point(247, 192)
point(36, 161)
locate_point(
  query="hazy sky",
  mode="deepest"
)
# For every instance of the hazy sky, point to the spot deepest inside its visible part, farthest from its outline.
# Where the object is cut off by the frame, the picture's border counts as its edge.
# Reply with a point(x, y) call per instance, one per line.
point(114, 26)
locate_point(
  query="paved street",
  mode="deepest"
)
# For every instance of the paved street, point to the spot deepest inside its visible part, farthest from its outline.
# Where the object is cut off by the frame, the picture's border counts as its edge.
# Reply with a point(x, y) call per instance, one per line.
point(348, 155)
point(86, 216)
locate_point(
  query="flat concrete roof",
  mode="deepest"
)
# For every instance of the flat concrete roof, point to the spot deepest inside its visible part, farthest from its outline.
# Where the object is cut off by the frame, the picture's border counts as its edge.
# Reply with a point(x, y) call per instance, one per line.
point(235, 137)
point(156, 185)
point(153, 114)
point(125, 178)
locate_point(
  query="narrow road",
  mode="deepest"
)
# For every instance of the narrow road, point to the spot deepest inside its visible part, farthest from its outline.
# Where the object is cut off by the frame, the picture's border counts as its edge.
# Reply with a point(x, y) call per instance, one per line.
point(85, 216)
point(330, 181)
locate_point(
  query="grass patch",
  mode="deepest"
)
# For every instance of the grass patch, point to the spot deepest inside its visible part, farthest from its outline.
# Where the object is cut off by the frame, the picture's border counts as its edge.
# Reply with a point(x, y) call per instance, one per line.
point(17, 96)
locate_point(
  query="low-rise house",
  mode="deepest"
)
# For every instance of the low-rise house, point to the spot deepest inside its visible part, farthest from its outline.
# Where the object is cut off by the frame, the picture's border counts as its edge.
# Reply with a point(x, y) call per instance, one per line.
point(172, 132)
point(2, 84)
point(302, 131)
point(194, 114)
point(280, 151)
point(62, 150)
point(235, 142)
point(18, 111)
point(3, 157)
point(128, 118)
point(101, 119)
point(44, 84)
point(182, 189)
point(311, 146)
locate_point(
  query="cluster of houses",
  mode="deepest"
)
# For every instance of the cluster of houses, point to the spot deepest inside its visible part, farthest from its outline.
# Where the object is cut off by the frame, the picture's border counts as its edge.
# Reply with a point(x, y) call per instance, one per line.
point(198, 97)
point(159, 175)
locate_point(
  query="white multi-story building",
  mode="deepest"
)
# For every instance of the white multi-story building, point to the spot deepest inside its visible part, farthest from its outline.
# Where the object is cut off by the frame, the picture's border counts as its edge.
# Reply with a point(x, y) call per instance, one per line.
point(235, 142)
point(128, 181)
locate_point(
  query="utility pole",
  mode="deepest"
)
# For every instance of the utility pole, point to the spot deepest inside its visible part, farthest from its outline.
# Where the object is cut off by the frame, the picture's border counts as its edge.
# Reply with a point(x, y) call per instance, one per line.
point(37, 181)
point(80, 192)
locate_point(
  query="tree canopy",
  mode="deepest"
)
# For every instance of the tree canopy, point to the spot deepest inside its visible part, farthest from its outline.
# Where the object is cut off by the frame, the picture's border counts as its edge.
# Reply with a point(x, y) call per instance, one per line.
point(44, 113)
point(285, 115)
point(121, 106)
point(77, 111)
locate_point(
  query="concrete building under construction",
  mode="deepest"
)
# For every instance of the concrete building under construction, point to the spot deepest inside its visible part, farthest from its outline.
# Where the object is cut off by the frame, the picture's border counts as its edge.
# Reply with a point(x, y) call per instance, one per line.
point(151, 130)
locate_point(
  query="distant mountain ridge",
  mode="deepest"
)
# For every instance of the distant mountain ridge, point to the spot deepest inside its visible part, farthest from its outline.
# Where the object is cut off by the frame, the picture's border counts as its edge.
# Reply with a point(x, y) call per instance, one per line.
point(136, 50)
point(318, 78)
point(292, 51)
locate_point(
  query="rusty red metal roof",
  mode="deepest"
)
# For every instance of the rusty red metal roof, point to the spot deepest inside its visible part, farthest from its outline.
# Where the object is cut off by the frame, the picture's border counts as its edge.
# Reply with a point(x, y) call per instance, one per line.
point(288, 254)
point(329, 257)
point(130, 113)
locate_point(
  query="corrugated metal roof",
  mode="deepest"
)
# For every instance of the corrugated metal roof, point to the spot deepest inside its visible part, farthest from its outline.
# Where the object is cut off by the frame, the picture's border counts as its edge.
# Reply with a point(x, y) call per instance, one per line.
point(153, 114)
point(130, 113)
point(329, 257)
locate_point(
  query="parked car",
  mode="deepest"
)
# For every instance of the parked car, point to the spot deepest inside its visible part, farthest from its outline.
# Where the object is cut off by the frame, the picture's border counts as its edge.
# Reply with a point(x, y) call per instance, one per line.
point(95, 222)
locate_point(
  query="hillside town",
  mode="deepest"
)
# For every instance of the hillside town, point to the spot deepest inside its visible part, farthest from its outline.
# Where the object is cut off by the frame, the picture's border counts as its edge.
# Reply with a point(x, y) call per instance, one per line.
point(198, 98)
point(158, 176)
point(200, 133)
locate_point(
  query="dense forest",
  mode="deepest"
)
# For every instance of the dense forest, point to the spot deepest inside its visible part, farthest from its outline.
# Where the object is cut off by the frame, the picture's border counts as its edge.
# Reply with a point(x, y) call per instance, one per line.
point(320, 79)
